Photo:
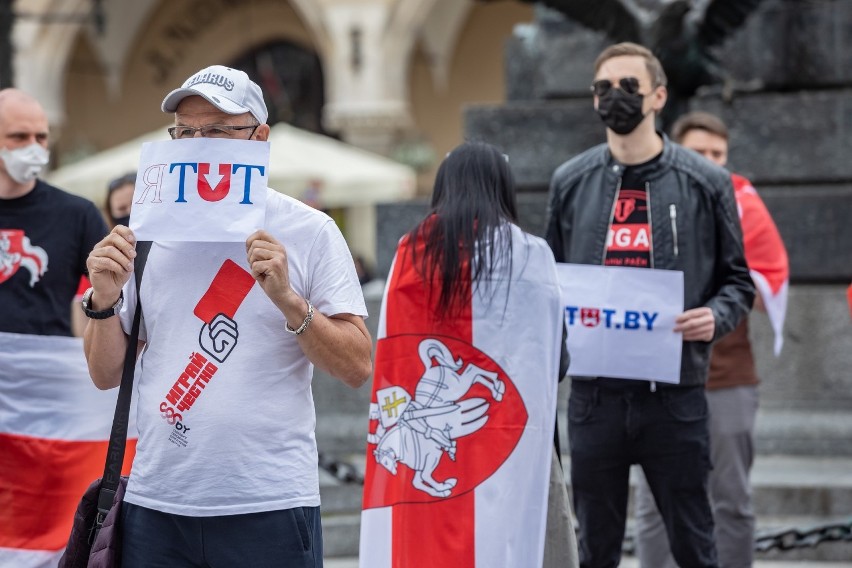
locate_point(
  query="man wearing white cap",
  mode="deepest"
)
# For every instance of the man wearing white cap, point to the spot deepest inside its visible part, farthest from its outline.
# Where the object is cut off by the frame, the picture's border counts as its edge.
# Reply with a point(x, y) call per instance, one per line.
point(237, 484)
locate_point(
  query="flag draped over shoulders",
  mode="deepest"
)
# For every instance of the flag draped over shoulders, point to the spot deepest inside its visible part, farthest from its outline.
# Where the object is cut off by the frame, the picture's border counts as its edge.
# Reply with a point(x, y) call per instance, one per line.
point(765, 254)
point(462, 416)
point(54, 427)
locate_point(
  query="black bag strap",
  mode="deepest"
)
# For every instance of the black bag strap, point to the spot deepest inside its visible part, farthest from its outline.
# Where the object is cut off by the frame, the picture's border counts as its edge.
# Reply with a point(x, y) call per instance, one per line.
point(118, 435)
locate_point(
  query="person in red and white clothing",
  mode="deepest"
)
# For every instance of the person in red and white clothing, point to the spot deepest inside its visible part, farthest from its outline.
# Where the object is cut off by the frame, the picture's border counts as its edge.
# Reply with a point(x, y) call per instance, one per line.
point(732, 383)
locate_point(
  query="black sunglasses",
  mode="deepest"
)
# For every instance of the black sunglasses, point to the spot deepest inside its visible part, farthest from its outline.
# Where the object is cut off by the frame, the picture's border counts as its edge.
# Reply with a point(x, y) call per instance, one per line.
point(602, 87)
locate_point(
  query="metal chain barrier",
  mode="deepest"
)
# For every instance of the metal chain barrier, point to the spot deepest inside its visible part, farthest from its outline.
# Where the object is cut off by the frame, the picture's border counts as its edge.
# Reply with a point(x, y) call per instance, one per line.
point(341, 470)
point(790, 538)
point(782, 539)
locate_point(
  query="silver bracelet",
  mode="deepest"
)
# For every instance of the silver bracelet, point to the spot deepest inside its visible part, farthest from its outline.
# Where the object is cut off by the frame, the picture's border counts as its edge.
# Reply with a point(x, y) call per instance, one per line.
point(305, 323)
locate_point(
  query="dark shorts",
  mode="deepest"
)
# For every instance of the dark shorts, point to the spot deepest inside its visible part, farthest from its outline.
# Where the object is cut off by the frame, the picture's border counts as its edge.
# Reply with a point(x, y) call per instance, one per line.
point(290, 538)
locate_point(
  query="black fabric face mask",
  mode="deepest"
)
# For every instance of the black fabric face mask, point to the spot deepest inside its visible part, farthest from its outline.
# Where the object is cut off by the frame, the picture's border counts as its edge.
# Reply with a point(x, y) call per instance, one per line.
point(122, 220)
point(621, 111)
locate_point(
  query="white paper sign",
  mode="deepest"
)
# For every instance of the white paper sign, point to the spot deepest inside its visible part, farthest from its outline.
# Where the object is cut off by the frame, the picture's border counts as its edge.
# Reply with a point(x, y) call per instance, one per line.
point(203, 189)
point(620, 321)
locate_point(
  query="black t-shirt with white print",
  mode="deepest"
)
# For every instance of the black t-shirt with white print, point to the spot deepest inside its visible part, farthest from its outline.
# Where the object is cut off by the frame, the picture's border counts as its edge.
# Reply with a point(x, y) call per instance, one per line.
point(45, 238)
point(628, 240)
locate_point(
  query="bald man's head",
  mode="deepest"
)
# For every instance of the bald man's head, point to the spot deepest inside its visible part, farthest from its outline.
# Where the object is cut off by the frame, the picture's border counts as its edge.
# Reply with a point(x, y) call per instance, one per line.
point(12, 100)
point(22, 120)
point(23, 139)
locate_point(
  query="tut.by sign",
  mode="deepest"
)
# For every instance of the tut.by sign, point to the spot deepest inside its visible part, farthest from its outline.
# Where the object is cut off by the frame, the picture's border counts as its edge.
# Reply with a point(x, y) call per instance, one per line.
point(200, 190)
point(620, 321)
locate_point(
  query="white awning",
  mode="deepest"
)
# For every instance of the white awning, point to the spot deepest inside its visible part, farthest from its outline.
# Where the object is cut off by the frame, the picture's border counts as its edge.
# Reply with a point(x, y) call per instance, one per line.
point(345, 175)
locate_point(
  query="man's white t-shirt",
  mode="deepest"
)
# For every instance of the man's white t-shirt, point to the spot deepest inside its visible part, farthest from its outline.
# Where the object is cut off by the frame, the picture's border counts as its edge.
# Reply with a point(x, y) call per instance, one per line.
point(225, 411)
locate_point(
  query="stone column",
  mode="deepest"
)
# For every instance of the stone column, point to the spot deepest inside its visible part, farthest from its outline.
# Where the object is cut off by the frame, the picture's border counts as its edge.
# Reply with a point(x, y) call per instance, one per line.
point(367, 73)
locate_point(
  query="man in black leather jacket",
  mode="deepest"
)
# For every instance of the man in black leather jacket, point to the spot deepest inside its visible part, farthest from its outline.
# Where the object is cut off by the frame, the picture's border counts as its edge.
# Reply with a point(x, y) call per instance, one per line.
point(642, 201)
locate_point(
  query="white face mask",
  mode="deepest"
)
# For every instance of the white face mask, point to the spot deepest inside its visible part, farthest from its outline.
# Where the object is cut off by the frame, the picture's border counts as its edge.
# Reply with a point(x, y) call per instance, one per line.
point(24, 164)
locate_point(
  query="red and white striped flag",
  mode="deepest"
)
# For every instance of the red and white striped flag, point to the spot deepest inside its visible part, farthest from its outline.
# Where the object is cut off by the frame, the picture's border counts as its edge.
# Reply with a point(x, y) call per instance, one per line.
point(462, 419)
point(54, 427)
point(765, 255)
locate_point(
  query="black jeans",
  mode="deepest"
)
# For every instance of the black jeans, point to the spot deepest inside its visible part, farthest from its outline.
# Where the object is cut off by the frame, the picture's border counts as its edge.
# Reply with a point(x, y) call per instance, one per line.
point(666, 433)
point(289, 538)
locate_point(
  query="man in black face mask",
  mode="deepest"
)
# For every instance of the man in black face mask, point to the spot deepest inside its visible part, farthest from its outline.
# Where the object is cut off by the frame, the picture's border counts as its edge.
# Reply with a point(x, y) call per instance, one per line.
point(642, 201)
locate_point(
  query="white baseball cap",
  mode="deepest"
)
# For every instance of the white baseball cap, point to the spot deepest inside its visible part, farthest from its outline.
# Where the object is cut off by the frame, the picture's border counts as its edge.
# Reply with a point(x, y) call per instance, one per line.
point(229, 90)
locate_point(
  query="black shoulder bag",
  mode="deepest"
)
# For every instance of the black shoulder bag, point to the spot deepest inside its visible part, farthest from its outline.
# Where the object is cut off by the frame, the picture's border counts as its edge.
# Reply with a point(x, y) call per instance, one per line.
point(95, 540)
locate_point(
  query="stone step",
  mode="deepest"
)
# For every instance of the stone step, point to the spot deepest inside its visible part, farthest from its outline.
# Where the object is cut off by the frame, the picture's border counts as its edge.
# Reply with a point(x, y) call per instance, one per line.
point(790, 492)
point(782, 486)
point(340, 498)
point(341, 534)
point(797, 485)
point(777, 431)
point(344, 433)
point(342, 423)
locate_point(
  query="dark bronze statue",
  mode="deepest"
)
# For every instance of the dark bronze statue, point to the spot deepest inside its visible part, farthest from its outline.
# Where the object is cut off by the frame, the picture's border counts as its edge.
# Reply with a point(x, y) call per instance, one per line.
point(681, 33)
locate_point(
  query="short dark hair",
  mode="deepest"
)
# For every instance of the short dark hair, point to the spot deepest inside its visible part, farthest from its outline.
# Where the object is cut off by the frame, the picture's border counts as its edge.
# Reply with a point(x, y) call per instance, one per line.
point(698, 120)
point(655, 68)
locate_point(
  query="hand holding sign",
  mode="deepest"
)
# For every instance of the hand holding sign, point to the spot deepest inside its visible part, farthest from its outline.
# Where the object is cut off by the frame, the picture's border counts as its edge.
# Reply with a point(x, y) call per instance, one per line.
point(621, 321)
point(267, 259)
point(697, 324)
point(110, 265)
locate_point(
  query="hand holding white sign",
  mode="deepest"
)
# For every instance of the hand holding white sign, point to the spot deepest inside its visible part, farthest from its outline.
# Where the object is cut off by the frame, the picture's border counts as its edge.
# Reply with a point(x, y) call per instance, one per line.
point(267, 259)
point(697, 324)
point(622, 322)
point(110, 265)
point(200, 189)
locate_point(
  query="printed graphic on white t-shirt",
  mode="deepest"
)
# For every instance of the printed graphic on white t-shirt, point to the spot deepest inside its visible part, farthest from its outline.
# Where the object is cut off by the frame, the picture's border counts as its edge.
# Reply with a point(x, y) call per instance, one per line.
point(225, 410)
point(218, 336)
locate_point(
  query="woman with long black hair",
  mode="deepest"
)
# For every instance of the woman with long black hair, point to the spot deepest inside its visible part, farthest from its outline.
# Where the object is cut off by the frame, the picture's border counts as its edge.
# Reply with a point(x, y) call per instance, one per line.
point(461, 467)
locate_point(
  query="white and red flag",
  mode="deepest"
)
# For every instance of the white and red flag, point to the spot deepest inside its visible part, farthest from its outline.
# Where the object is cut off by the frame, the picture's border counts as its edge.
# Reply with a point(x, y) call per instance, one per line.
point(765, 255)
point(462, 418)
point(54, 428)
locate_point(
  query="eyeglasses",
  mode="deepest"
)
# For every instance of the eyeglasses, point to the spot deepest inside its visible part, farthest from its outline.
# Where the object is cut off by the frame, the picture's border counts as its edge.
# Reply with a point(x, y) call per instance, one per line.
point(602, 87)
point(208, 131)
